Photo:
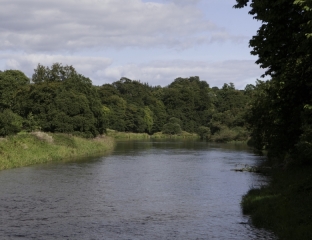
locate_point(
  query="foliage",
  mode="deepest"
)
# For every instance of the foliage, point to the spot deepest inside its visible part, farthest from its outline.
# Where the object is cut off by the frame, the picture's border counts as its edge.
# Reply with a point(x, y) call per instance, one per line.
point(10, 83)
point(172, 127)
point(10, 123)
point(283, 45)
point(285, 205)
point(58, 99)
point(189, 100)
point(204, 133)
point(280, 116)
point(61, 100)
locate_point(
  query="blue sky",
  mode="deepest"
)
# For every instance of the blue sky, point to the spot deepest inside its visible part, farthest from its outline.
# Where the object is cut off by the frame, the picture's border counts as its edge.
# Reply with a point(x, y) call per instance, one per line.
point(153, 41)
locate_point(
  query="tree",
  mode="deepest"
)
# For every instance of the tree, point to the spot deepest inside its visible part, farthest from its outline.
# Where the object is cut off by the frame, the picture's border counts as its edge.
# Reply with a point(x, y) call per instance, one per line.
point(10, 123)
point(148, 119)
point(62, 100)
point(172, 127)
point(283, 46)
point(188, 99)
point(204, 132)
point(11, 82)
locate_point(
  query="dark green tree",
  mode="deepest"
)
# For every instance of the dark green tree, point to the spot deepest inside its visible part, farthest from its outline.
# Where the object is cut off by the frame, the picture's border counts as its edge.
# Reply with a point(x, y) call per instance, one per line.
point(10, 123)
point(172, 127)
point(11, 82)
point(283, 46)
point(61, 100)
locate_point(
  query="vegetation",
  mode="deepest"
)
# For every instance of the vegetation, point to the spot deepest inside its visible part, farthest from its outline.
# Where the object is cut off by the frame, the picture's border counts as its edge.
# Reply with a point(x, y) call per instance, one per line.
point(283, 206)
point(185, 105)
point(57, 99)
point(126, 135)
point(279, 118)
point(181, 135)
point(61, 104)
point(275, 115)
point(40, 147)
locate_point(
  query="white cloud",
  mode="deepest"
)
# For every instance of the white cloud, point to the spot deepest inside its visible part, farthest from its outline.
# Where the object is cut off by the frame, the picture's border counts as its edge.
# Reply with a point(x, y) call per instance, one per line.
point(88, 66)
point(102, 70)
point(240, 72)
point(130, 32)
point(72, 25)
point(184, 2)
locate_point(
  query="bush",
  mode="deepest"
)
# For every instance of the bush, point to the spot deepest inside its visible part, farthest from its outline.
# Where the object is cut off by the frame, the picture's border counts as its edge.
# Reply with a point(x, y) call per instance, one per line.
point(10, 123)
point(204, 132)
point(172, 127)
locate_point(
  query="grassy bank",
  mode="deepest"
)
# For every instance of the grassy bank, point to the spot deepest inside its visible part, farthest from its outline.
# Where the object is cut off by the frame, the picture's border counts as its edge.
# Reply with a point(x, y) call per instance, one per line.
point(129, 135)
point(182, 135)
point(285, 205)
point(126, 135)
point(31, 148)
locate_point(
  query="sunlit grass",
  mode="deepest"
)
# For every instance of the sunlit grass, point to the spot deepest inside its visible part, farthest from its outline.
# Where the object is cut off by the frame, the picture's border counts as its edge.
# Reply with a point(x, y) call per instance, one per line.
point(32, 148)
point(126, 135)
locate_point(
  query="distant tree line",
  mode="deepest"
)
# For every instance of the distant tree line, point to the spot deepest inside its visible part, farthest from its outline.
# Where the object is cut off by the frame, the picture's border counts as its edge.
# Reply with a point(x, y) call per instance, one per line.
point(58, 99)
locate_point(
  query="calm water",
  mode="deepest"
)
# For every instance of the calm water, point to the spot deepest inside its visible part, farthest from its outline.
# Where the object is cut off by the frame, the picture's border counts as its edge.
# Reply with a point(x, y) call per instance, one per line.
point(144, 190)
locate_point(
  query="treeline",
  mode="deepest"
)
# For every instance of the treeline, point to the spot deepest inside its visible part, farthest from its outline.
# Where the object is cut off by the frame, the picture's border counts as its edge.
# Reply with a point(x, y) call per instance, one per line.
point(58, 99)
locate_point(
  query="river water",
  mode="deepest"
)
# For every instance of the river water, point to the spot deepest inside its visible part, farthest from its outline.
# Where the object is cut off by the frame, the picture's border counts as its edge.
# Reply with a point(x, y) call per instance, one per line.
point(144, 190)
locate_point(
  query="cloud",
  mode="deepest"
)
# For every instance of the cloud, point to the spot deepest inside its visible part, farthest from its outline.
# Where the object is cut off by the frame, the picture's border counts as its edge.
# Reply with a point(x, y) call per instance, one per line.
point(88, 66)
point(240, 72)
point(102, 70)
point(71, 25)
point(184, 2)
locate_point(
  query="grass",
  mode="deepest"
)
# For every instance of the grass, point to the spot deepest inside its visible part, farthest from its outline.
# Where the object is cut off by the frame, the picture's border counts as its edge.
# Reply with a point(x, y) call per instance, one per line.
point(129, 135)
point(126, 135)
point(32, 148)
point(285, 205)
point(182, 135)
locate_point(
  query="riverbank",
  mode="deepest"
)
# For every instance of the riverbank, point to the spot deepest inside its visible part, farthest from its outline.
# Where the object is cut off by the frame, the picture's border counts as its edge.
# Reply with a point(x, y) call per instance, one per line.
point(26, 149)
point(129, 135)
point(285, 205)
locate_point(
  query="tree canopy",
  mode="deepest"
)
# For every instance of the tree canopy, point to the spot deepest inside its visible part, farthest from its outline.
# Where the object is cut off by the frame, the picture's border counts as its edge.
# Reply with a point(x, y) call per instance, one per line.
point(281, 112)
point(59, 99)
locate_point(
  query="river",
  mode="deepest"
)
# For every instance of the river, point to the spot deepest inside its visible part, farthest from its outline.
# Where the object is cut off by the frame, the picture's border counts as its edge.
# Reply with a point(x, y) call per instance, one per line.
point(144, 190)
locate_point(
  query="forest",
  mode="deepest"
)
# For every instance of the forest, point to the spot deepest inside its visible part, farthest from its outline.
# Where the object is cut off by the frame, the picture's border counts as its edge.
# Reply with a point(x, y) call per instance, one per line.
point(57, 99)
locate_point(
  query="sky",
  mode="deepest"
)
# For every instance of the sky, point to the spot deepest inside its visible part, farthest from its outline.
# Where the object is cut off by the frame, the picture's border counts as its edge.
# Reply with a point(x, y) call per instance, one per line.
point(154, 41)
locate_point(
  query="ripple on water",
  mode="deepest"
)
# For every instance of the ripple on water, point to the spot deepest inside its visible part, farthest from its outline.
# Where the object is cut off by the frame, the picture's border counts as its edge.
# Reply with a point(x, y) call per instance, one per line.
point(161, 190)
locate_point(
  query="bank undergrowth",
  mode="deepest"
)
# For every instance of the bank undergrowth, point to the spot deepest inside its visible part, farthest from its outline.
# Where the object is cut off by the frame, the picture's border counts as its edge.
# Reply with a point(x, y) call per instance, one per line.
point(182, 135)
point(129, 135)
point(38, 147)
point(285, 205)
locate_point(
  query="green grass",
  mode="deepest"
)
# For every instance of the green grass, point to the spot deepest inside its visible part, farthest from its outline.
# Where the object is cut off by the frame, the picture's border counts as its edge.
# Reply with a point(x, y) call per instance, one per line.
point(285, 205)
point(182, 135)
point(128, 135)
point(32, 148)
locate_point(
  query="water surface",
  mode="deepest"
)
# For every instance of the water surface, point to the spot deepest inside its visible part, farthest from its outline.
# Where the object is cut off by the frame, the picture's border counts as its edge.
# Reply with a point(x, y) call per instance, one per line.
point(144, 190)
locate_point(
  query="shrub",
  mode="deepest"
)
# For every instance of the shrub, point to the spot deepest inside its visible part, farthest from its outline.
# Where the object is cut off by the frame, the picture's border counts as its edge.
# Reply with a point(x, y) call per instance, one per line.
point(10, 123)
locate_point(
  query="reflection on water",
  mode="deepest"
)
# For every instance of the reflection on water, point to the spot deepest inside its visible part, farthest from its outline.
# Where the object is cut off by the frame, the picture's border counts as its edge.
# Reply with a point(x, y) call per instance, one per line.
point(144, 190)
